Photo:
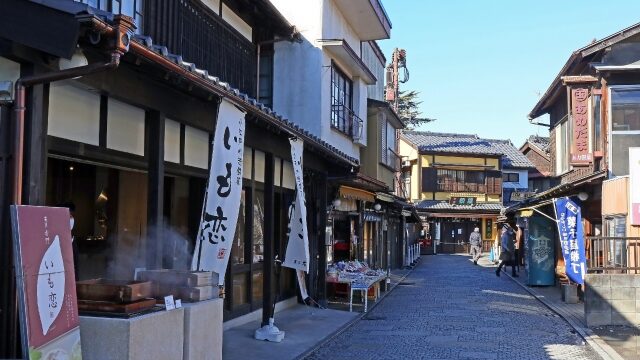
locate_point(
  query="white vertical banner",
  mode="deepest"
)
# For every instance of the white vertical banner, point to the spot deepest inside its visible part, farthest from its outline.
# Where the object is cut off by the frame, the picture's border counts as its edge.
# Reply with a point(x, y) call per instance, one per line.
point(222, 198)
point(634, 185)
point(297, 255)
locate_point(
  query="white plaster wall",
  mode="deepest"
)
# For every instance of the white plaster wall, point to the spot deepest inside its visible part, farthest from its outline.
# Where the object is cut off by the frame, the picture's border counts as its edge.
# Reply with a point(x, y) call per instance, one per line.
point(302, 72)
point(334, 26)
point(522, 184)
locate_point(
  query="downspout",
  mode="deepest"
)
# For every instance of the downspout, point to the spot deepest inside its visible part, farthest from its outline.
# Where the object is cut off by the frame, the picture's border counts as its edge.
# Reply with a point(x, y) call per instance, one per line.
point(123, 28)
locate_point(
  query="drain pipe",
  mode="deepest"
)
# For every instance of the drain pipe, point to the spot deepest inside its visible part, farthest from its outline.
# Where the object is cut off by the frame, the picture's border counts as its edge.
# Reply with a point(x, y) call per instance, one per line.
point(123, 29)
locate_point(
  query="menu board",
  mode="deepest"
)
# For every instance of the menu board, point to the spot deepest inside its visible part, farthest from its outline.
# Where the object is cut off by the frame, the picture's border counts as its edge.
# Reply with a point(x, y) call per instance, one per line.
point(50, 327)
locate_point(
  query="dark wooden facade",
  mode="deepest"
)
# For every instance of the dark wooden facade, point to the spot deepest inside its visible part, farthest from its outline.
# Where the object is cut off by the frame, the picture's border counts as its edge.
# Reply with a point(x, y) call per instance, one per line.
point(162, 95)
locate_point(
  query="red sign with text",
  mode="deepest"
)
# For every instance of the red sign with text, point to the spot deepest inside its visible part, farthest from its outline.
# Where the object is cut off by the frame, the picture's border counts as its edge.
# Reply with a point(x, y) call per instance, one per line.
point(46, 280)
point(580, 154)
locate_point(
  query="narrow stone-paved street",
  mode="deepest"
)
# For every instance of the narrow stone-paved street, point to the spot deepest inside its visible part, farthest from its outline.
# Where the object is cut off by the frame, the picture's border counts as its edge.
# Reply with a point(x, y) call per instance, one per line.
point(447, 308)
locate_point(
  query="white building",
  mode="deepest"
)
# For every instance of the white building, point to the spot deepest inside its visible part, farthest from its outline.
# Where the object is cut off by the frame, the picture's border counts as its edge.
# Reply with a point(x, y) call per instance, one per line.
point(322, 83)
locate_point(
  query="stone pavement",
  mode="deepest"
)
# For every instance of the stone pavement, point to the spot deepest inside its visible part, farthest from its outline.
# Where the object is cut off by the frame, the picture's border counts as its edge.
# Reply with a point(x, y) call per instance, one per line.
point(551, 296)
point(305, 328)
point(447, 308)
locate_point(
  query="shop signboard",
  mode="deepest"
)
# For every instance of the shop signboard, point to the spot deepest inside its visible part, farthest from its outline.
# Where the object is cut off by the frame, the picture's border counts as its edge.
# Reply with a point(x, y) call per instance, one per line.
point(571, 233)
point(521, 195)
point(634, 185)
point(220, 210)
point(48, 306)
point(580, 154)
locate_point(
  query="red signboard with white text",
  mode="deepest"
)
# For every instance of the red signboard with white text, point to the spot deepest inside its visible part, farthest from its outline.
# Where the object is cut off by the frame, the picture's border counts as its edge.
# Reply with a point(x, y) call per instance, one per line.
point(46, 282)
point(580, 154)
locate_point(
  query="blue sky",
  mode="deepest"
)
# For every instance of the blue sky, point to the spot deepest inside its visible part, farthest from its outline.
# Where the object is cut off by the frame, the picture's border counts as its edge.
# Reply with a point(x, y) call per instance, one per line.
point(480, 66)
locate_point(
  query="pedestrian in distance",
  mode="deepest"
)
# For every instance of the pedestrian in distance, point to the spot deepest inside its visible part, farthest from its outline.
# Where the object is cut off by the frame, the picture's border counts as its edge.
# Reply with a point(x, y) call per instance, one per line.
point(475, 240)
point(507, 253)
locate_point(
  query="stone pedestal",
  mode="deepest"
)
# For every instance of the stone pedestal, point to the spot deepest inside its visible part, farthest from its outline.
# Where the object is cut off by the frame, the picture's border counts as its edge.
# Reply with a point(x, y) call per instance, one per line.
point(570, 293)
point(159, 335)
point(203, 330)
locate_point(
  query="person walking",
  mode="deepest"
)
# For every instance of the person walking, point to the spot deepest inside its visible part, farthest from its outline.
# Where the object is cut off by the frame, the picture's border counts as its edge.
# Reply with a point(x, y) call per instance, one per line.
point(475, 240)
point(507, 253)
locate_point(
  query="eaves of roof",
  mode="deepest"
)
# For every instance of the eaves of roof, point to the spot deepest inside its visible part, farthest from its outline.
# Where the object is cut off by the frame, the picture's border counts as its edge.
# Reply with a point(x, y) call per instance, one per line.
point(576, 57)
point(385, 106)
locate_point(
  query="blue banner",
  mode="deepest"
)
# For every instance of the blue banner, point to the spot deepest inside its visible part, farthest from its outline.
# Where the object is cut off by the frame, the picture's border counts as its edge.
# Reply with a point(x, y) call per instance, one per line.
point(571, 232)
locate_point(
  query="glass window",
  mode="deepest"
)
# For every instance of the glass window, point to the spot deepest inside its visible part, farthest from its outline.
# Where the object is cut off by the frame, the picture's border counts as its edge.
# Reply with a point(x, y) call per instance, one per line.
point(511, 177)
point(239, 289)
point(625, 109)
point(597, 125)
point(132, 8)
point(257, 238)
point(341, 89)
point(237, 250)
point(625, 127)
point(563, 146)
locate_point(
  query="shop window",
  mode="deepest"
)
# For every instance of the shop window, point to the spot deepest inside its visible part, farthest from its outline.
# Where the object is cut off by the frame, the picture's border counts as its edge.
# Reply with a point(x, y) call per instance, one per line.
point(238, 248)
point(257, 236)
point(625, 126)
point(239, 294)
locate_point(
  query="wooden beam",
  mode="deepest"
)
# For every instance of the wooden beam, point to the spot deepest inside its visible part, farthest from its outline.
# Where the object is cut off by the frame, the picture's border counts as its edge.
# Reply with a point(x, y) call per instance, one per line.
point(578, 79)
point(268, 285)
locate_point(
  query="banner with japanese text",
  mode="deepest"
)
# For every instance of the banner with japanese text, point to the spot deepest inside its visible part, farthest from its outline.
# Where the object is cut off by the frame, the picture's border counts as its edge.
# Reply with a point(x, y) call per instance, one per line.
point(222, 198)
point(571, 234)
point(297, 255)
point(48, 305)
point(634, 185)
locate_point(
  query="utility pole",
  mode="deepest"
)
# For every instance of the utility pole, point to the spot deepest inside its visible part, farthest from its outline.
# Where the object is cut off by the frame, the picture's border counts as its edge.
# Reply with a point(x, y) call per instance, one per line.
point(392, 90)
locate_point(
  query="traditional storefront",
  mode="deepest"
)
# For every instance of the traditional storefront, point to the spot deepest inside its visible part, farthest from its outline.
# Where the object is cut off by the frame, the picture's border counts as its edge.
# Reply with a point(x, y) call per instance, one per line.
point(130, 145)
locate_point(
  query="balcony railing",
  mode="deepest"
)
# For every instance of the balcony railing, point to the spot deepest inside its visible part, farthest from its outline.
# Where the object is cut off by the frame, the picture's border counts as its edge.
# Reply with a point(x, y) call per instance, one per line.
point(346, 121)
point(618, 255)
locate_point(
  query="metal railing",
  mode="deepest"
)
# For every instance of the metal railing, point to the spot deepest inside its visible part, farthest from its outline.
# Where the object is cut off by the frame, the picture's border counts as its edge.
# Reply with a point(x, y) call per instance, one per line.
point(393, 160)
point(346, 121)
point(619, 255)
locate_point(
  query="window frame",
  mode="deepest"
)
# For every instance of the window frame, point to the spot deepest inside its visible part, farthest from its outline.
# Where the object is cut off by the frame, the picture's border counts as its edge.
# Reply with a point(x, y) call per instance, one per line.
point(508, 177)
point(610, 131)
point(339, 116)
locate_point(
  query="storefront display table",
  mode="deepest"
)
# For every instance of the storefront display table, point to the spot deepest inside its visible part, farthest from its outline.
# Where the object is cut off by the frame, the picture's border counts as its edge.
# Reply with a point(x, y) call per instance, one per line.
point(361, 284)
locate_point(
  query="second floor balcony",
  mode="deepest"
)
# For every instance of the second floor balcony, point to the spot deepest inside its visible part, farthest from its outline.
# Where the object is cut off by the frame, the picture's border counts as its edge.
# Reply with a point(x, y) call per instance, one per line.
point(346, 121)
point(391, 159)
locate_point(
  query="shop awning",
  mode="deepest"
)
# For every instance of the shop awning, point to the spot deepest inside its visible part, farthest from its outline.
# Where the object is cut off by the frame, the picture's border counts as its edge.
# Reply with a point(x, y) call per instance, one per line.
point(356, 194)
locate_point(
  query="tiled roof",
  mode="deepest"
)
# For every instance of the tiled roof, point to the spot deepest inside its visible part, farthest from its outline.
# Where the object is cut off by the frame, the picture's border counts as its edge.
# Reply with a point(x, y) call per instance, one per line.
point(512, 157)
point(223, 87)
point(437, 205)
point(294, 128)
point(427, 141)
point(452, 143)
point(540, 142)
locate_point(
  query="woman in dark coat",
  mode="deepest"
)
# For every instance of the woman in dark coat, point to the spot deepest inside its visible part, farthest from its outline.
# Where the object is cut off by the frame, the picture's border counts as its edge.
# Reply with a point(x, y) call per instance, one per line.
point(506, 255)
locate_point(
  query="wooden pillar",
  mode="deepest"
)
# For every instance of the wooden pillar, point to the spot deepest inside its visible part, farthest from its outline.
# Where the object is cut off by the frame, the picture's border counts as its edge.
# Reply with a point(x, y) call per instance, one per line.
point(268, 285)
point(155, 190)
point(35, 151)
point(321, 208)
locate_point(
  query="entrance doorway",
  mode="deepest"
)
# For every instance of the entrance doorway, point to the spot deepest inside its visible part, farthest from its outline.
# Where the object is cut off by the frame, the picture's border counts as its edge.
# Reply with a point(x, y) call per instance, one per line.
point(454, 236)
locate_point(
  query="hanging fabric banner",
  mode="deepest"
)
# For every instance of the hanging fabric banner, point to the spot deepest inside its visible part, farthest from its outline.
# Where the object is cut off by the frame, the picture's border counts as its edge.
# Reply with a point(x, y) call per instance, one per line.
point(569, 220)
point(297, 255)
point(220, 213)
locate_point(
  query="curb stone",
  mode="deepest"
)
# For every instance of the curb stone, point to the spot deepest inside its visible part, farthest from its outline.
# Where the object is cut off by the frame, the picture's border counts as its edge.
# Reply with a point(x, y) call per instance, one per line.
point(356, 319)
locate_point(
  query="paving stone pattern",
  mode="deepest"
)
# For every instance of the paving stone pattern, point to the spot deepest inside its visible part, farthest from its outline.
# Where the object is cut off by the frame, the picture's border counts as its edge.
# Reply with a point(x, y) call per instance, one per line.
point(448, 308)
